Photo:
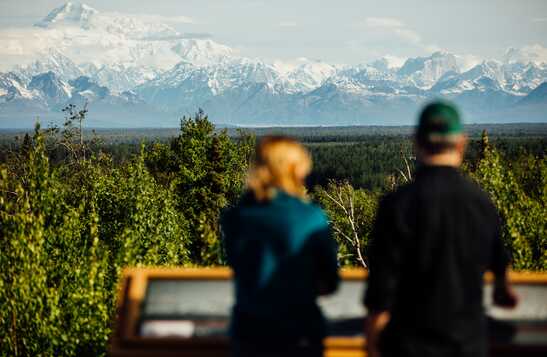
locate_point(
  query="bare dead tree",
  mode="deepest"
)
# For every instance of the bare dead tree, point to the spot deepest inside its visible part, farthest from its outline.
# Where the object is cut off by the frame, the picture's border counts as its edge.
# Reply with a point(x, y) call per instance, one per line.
point(406, 175)
point(73, 115)
point(345, 200)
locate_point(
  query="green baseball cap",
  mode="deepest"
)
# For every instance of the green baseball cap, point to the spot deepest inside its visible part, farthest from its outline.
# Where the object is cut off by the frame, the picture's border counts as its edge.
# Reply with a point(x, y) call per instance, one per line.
point(439, 121)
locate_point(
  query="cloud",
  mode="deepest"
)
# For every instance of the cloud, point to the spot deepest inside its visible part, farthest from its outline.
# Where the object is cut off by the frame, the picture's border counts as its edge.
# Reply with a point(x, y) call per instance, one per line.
point(398, 30)
point(383, 22)
point(393, 26)
point(165, 19)
point(539, 19)
point(408, 35)
point(287, 24)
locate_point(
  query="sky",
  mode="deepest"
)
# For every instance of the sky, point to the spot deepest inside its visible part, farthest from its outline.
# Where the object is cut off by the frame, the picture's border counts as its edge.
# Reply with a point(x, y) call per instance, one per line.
point(342, 31)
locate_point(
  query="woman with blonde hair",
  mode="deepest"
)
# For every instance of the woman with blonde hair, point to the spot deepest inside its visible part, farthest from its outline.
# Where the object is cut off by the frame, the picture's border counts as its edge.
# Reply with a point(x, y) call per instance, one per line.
point(280, 248)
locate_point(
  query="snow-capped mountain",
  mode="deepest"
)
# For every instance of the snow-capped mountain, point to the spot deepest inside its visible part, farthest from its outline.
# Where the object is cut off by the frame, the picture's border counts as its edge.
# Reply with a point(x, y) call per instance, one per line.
point(12, 87)
point(536, 54)
point(202, 52)
point(303, 76)
point(134, 69)
point(387, 63)
point(54, 90)
point(71, 13)
point(118, 77)
point(513, 78)
point(51, 60)
point(136, 43)
point(425, 71)
point(82, 16)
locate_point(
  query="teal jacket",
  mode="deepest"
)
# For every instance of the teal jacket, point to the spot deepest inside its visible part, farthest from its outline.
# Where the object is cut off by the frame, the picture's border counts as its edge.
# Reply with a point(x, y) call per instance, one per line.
point(283, 257)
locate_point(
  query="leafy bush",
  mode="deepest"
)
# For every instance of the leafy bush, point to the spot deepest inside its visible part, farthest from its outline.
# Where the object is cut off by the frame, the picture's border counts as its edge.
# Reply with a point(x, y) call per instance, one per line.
point(53, 286)
point(66, 234)
point(206, 170)
point(519, 192)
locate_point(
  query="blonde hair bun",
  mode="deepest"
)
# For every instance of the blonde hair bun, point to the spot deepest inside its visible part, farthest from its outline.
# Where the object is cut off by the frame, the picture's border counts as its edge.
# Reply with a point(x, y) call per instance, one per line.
point(280, 163)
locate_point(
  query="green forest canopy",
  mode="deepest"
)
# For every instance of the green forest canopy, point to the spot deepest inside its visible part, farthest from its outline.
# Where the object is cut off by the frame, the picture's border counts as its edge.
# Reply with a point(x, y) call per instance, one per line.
point(74, 210)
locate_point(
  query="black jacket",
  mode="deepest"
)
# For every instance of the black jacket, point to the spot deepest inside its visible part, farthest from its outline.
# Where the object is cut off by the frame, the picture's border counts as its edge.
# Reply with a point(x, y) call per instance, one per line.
point(431, 243)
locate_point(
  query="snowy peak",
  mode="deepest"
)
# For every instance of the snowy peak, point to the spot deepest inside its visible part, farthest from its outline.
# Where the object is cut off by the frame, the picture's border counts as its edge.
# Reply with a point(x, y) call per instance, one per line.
point(201, 52)
point(84, 86)
point(513, 78)
point(71, 13)
point(425, 71)
point(536, 54)
point(54, 90)
point(302, 74)
point(8, 80)
point(489, 69)
point(50, 61)
point(310, 75)
point(12, 87)
point(118, 77)
point(388, 63)
point(50, 91)
point(114, 25)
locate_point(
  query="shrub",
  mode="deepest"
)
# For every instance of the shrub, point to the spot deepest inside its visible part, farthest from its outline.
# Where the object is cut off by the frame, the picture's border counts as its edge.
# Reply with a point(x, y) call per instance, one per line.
point(520, 194)
point(206, 170)
point(66, 234)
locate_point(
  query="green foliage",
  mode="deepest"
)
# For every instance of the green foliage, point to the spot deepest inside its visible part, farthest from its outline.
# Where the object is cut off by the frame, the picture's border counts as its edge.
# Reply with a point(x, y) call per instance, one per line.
point(365, 164)
point(52, 288)
point(67, 232)
point(352, 213)
point(71, 216)
point(206, 170)
point(516, 182)
point(519, 192)
point(139, 220)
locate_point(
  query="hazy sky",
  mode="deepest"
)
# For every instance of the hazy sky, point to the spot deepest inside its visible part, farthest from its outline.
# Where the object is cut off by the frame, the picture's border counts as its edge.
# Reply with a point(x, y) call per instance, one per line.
point(341, 31)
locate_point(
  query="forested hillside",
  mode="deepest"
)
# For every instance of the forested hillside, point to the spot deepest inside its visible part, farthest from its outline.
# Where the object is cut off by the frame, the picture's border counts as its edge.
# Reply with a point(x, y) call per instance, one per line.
point(75, 210)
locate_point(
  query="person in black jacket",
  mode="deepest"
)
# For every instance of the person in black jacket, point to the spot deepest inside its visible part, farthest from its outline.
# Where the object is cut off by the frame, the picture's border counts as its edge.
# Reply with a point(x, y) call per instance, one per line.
point(431, 243)
point(281, 250)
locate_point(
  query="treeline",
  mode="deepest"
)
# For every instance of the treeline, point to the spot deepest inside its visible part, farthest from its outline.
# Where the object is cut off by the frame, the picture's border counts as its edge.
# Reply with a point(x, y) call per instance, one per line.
point(365, 161)
point(73, 213)
point(371, 163)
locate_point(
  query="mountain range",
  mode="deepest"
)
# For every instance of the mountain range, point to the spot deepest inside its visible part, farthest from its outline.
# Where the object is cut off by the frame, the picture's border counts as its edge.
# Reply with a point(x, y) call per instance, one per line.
point(136, 72)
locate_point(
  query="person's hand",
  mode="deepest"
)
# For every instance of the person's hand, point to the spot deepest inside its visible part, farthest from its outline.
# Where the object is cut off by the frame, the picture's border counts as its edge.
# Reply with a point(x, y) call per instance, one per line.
point(374, 325)
point(504, 296)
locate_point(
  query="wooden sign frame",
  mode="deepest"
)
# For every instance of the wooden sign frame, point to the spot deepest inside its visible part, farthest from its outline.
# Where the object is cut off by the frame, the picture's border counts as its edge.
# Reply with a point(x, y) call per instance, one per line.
point(126, 341)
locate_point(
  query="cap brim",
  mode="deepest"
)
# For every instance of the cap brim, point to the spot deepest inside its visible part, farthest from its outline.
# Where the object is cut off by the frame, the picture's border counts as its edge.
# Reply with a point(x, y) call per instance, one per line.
point(443, 138)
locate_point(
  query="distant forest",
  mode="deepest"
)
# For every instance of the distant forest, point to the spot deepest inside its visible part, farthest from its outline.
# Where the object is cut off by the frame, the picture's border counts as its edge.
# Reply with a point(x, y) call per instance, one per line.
point(364, 156)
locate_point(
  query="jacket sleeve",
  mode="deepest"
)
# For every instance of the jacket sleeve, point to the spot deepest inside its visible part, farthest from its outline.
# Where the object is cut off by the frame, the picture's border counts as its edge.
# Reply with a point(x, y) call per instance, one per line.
point(499, 258)
point(327, 262)
point(227, 236)
point(385, 259)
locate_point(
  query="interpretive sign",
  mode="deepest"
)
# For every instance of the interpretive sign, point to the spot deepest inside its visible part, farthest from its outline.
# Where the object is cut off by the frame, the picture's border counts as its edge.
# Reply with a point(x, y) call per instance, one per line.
point(186, 312)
